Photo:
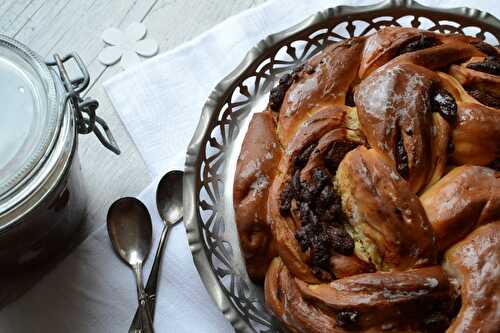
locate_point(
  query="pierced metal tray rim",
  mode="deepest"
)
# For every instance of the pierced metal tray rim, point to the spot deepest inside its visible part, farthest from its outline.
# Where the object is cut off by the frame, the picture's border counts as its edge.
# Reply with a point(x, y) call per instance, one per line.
point(223, 91)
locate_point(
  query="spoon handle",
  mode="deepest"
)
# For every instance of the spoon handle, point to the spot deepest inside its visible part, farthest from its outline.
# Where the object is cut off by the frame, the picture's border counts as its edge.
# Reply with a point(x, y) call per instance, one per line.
point(146, 319)
point(152, 283)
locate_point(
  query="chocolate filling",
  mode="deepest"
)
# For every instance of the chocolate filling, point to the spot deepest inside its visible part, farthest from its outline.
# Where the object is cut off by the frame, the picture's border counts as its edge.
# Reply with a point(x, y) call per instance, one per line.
point(286, 198)
point(402, 158)
point(490, 65)
point(347, 319)
point(337, 152)
point(437, 316)
point(322, 236)
point(436, 322)
point(486, 48)
point(450, 149)
point(301, 160)
point(277, 94)
point(349, 98)
point(484, 97)
point(422, 43)
point(319, 207)
point(495, 165)
point(444, 103)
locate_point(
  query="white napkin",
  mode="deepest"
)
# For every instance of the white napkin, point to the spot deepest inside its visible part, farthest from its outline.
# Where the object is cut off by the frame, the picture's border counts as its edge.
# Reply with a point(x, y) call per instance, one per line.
point(159, 102)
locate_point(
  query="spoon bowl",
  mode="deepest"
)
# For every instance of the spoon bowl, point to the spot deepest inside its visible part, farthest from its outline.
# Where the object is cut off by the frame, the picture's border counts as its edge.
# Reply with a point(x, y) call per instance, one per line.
point(169, 197)
point(170, 208)
point(130, 230)
point(131, 234)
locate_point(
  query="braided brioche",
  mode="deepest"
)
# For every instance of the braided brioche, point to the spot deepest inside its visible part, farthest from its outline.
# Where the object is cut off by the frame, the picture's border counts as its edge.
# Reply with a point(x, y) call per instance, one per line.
point(367, 194)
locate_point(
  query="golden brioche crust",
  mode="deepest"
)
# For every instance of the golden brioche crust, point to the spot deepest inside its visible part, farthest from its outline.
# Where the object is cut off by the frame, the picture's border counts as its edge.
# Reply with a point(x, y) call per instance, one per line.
point(324, 80)
point(393, 106)
point(386, 219)
point(439, 56)
point(385, 45)
point(374, 302)
point(397, 300)
point(285, 300)
point(475, 264)
point(467, 197)
point(256, 169)
point(476, 136)
point(364, 128)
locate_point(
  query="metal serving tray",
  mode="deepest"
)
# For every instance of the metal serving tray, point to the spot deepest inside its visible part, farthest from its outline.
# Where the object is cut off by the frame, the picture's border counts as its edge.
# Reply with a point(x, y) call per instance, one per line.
point(214, 149)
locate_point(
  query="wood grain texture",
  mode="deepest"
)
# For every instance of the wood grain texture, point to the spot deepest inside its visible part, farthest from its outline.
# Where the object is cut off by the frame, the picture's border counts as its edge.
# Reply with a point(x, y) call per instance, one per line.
point(63, 26)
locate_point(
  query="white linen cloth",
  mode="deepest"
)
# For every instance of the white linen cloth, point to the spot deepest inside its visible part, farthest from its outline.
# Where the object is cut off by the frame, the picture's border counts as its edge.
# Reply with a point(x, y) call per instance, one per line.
point(159, 102)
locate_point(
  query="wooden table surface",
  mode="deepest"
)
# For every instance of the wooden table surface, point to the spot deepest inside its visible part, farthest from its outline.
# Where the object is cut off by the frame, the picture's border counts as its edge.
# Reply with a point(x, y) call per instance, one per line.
point(62, 26)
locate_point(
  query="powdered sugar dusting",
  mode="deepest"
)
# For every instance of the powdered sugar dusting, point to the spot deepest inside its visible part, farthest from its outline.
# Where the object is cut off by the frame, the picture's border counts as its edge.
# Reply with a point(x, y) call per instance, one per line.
point(301, 91)
point(431, 283)
point(378, 97)
point(260, 183)
point(394, 175)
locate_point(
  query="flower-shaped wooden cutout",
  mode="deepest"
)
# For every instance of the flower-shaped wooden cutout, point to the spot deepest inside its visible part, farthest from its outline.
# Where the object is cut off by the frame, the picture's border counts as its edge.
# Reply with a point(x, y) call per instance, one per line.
point(127, 45)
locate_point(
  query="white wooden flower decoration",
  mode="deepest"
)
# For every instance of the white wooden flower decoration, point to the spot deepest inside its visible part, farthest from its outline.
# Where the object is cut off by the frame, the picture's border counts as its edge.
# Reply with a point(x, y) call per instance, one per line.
point(127, 45)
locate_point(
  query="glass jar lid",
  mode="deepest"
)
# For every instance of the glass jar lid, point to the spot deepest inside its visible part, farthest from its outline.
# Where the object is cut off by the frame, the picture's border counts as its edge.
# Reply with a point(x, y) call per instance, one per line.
point(30, 117)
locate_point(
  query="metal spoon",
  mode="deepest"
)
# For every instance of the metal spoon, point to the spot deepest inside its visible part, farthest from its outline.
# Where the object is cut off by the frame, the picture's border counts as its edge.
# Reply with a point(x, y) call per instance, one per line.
point(169, 203)
point(130, 231)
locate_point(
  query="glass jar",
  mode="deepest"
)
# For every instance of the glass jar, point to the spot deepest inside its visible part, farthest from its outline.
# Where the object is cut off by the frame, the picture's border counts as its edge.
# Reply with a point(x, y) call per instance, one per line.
point(42, 198)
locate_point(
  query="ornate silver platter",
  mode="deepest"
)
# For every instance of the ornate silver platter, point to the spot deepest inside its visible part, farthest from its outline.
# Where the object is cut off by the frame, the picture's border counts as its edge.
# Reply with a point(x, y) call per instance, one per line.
point(214, 149)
